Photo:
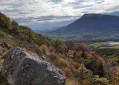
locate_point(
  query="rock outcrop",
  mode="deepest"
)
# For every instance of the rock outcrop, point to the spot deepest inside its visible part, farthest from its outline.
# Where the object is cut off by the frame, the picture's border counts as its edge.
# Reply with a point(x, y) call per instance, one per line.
point(23, 67)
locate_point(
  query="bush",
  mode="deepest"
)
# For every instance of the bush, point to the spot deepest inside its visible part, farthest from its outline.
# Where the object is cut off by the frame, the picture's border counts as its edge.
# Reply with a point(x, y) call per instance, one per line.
point(15, 27)
point(101, 81)
point(5, 22)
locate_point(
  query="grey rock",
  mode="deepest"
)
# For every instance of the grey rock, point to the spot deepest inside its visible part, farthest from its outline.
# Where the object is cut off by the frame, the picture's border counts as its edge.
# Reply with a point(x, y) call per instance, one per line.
point(23, 67)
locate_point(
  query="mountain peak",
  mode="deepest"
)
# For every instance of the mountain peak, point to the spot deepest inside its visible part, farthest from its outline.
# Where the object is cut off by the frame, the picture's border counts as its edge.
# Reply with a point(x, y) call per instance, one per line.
point(92, 14)
point(91, 26)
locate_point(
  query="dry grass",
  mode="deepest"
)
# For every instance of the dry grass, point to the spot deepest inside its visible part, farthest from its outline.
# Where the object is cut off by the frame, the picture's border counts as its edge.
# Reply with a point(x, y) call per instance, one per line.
point(71, 82)
point(1, 62)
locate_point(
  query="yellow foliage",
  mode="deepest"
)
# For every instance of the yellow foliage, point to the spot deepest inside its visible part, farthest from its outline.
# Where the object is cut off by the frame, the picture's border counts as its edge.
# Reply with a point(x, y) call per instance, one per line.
point(44, 50)
point(116, 79)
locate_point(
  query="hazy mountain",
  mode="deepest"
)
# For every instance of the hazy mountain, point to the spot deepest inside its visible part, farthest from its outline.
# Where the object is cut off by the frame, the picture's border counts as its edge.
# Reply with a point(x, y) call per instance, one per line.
point(89, 27)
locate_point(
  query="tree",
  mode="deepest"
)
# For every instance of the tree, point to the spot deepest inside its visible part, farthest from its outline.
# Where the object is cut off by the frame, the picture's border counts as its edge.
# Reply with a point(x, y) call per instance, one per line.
point(70, 53)
point(110, 70)
point(59, 46)
point(84, 61)
point(100, 81)
point(85, 74)
point(78, 54)
point(44, 50)
point(96, 66)
point(70, 45)
point(81, 47)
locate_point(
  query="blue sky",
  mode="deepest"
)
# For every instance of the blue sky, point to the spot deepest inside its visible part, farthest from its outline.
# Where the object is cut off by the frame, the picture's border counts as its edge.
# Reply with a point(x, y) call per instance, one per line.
point(47, 14)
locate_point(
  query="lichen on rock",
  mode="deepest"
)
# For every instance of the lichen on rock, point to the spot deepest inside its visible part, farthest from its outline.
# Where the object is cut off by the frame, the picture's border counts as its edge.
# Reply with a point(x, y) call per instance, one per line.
point(23, 67)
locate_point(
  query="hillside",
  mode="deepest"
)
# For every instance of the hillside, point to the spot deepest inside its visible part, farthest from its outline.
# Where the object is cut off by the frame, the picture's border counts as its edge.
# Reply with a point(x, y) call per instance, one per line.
point(81, 65)
point(89, 27)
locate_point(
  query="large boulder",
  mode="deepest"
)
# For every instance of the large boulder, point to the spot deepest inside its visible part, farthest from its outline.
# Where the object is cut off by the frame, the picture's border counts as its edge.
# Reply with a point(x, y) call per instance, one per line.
point(23, 67)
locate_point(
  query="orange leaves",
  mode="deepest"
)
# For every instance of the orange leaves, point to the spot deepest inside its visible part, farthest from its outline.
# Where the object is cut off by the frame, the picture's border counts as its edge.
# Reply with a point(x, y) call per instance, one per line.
point(12, 43)
point(88, 55)
point(95, 55)
point(77, 65)
point(101, 59)
point(86, 82)
point(44, 49)
point(61, 54)
point(92, 52)
point(67, 71)
point(78, 54)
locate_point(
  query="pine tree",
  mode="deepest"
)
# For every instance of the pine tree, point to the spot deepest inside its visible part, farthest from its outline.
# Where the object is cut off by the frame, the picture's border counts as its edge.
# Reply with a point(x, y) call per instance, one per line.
point(85, 74)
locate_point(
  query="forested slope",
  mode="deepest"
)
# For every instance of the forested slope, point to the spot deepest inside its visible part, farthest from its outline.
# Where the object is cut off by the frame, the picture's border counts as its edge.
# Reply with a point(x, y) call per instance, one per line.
point(79, 64)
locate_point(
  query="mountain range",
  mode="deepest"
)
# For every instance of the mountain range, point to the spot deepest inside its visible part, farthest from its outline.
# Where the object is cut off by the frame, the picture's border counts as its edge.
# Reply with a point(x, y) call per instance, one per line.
point(89, 27)
point(28, 58)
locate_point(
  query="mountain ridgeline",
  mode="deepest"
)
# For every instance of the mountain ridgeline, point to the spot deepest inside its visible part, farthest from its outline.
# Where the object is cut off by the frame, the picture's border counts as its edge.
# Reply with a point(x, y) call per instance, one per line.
point(81, 65)
point(89, 27)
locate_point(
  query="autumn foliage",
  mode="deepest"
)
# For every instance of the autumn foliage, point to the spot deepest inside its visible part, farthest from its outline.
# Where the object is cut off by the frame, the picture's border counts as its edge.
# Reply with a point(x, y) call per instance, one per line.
point(79, 64)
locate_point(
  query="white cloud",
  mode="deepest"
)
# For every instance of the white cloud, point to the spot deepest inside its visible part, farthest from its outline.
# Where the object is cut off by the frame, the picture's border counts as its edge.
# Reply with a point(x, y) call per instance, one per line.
point(32, 10)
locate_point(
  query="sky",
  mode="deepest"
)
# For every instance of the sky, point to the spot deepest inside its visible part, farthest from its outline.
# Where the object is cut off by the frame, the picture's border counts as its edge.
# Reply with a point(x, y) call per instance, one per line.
point(48, 14)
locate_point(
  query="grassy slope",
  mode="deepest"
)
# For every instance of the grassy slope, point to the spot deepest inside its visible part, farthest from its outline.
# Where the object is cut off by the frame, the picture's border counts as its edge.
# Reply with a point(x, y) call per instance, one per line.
point(15, 40)
point(96, 44)
point(18, 40)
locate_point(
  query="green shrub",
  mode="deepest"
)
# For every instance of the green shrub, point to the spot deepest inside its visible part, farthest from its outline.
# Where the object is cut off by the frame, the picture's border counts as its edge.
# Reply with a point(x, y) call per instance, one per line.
point(5, 22)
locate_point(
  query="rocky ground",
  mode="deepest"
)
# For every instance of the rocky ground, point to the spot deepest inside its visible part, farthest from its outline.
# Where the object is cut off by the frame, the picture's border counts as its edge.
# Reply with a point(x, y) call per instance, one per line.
point(23, 67)
point(3, 52)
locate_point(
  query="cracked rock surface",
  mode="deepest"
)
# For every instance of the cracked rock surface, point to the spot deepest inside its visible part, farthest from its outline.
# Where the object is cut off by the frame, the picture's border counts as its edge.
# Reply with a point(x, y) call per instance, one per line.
point(23, 67)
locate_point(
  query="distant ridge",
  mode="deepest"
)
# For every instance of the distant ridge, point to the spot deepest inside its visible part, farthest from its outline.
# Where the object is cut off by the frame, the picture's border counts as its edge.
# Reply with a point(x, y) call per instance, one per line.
point(89, 27)
point(94, 21)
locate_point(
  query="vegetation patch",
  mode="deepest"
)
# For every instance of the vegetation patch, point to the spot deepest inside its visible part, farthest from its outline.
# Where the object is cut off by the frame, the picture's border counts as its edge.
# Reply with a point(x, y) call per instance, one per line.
point(96, 44)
